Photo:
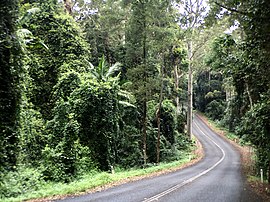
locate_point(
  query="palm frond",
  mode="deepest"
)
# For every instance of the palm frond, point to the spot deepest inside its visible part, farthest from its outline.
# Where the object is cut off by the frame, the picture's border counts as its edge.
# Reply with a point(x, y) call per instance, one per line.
point(24, 33)
point(126, 104)
point(114, 68)
point(28, 15)
point(43, 44)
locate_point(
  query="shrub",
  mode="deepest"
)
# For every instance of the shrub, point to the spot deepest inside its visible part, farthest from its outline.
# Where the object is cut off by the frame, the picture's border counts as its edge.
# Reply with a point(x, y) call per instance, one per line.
point(15, 183)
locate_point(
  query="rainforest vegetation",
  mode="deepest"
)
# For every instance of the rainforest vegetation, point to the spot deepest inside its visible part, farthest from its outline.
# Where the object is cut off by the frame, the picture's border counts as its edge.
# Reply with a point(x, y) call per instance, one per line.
point(94, 85)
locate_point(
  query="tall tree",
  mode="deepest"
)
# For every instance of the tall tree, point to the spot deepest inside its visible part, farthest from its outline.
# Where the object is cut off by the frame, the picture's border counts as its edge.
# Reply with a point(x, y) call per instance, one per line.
point(191, 17)
point(150, 22)
point(9, 81)
point(137, 40)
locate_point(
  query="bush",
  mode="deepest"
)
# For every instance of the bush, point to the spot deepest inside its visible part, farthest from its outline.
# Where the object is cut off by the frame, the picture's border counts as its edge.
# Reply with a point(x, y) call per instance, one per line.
point(64, 157)
point(95, 107)
point(128, 152)
point(59, 164)
point(215, 109)
point(18, 182)
point(32, 138)
point(254, 128)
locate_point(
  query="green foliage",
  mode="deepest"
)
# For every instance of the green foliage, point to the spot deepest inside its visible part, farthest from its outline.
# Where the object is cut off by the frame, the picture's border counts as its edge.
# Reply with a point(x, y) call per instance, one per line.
point(105, 29)
point(21, 181)
point(102, 72)
point(59, 157)
point(66, 51)
point(32, 139)
point(173, 138)
point(128, 153)
point(66, 84)
point(66, 161)
point(258, 132)
point(87, 122)
point(49, 133)
point(127, 148)
point(95, 107)
point(210, 95)
point(215, 109)
point(10, 73)
point(245, 60)
point(94, 179)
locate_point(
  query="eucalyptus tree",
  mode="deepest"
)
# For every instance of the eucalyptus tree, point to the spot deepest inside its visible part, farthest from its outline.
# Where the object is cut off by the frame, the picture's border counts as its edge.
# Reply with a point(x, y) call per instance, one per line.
point(209, 83)
point(191, 19)
point(137, 58)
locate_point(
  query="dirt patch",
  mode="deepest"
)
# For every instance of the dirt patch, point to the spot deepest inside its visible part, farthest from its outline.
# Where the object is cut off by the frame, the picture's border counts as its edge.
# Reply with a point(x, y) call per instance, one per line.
point(262, 189)
point(247, 161)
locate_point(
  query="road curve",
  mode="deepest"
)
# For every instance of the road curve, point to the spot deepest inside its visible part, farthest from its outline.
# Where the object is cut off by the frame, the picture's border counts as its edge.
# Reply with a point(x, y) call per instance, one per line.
point(216, 178)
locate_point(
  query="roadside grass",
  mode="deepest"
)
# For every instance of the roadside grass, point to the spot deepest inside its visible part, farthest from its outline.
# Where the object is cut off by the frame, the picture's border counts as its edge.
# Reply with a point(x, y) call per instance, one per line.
point(98, 180)
point(224, 131)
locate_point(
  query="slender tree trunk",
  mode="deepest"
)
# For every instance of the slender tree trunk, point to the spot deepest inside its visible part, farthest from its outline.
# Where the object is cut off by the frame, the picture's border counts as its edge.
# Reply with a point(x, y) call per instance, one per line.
point(190, 87)
point(176, 85)
point(158, 135)
point(145, 98)
point(159, 113)
point(249, 96)
point(144, 133)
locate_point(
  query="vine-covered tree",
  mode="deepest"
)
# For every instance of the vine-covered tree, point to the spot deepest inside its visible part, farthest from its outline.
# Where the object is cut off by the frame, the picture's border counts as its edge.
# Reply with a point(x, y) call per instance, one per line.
point(10, 70)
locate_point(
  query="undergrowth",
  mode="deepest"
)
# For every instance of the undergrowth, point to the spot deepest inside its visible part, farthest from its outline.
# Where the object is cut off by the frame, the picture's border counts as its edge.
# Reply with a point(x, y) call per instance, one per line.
point(26, 183)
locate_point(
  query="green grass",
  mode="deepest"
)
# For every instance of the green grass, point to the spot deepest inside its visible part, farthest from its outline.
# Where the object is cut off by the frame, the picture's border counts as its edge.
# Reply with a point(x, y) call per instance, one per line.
point(96, 179)
point(230, 135)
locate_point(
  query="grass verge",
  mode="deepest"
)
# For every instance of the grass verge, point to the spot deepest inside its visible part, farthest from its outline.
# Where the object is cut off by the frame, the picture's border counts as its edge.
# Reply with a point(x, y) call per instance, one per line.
point(97, 181)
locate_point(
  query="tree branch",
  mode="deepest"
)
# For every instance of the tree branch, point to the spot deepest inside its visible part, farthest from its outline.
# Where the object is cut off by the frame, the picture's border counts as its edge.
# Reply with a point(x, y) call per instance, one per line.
point(231, 9)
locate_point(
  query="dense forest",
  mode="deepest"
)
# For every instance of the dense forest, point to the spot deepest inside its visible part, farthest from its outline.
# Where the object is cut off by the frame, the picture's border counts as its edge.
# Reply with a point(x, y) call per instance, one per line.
point(93, 85)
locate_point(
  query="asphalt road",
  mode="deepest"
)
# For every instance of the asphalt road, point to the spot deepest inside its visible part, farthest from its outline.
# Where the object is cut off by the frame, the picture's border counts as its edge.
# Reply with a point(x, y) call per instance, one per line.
point(216, 178)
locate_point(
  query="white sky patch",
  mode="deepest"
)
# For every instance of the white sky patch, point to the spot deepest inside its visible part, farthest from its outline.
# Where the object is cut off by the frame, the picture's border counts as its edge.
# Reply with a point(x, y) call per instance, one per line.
point(232, 28)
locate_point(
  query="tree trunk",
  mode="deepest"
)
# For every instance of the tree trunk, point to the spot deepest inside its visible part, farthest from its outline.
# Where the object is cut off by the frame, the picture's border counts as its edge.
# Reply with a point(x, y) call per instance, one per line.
point(144, 133)
point(68, 6)
point(190, 87)
point(158, 135)
point(159, 113)
point(249, 96)
point(145, 98)
point(176, 85)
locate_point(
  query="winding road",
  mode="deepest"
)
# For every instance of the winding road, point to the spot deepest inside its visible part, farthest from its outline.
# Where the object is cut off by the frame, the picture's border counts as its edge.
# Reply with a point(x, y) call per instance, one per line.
point(216, 178)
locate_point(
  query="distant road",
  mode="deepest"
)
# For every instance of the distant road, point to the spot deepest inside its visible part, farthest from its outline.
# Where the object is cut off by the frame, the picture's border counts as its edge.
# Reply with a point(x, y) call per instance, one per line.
point(216, 178)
